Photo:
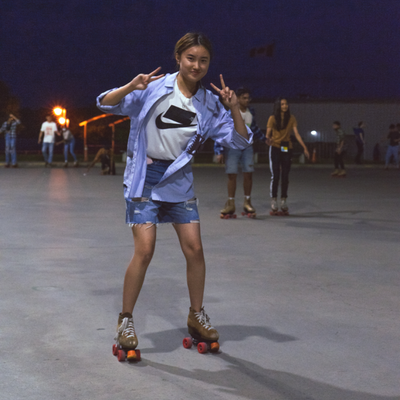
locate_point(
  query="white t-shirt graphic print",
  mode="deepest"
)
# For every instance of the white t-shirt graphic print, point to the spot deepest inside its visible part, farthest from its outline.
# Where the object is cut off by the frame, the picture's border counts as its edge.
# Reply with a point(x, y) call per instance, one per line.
point(172, 123)
point(49, 129)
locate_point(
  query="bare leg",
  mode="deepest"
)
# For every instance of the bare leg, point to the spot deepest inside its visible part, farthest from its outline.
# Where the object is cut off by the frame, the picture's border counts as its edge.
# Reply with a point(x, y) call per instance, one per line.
point(247, 183)
point(144, 237)
point(190, 241)
point(231, 185)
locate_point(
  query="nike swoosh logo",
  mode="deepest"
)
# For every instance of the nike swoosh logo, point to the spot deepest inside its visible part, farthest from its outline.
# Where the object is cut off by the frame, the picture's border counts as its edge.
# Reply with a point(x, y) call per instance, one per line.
point(165, 125)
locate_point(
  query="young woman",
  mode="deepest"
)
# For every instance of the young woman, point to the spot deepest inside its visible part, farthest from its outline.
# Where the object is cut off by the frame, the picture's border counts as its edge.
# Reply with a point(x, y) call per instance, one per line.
point(279, 128)
point(170, 116)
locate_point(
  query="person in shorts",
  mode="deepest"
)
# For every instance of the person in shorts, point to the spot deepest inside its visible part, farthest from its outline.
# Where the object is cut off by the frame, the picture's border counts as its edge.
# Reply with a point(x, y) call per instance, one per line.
point(171, 116)
point(245, 158)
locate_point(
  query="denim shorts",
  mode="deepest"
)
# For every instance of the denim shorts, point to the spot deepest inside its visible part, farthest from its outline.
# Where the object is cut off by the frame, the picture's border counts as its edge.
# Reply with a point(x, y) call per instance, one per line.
point(234, 157)
point(144, 210)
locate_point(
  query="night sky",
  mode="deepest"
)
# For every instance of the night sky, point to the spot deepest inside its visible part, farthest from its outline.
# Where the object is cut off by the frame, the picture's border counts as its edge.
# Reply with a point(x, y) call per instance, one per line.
point(69, 51)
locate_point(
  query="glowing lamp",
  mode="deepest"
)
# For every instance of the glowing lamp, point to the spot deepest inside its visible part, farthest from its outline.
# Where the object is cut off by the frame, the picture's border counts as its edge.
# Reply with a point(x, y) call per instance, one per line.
point(58, 111)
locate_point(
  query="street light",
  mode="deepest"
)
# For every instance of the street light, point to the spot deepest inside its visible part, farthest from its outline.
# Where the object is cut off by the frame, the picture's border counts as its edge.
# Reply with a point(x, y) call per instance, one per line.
point(61, 113)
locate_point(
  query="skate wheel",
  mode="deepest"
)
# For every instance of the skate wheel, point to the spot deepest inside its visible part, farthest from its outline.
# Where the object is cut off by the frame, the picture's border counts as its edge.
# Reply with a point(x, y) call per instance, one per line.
point(214, 347)
point(243, 213)
point(226, 216)
point(138, 355)
point(187, 343)
point(121, 355)
point(115, 349)
point(202, 348)
point(132, 355)
point(234, 216)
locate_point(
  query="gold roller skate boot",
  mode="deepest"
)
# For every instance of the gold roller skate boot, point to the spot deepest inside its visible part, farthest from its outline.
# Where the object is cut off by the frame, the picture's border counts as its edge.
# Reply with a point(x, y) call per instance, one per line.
point(199, 326)
point(126, 335)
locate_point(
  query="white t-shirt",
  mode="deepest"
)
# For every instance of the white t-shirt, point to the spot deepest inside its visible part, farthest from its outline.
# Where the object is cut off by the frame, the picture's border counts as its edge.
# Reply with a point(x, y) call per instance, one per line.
point(49, 129)
point(172, 122)
point(247, 117)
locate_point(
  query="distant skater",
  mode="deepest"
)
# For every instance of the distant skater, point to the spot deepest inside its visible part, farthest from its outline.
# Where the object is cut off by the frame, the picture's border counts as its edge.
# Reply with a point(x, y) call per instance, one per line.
point(48, 131)
point(279, 128)
point(245, 158)
point(69, 145)
point(339, 151)
point(9, 128)
point(393, 146)
point(171, 116)
point(359, 137)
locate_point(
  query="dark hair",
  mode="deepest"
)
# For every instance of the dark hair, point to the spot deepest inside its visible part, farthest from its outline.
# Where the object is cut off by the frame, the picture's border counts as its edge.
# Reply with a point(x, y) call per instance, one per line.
point(360, 123)
point(392, 126)
point(193, 39)
point(277, 114)
point(241, 91)
point(336, 123)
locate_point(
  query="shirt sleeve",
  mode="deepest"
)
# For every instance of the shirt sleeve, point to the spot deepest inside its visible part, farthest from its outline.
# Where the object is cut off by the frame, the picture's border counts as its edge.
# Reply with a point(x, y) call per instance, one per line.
point(271, 122)
point(222, 130)
point(130, 105)
point(218, 149)
point(258, 134)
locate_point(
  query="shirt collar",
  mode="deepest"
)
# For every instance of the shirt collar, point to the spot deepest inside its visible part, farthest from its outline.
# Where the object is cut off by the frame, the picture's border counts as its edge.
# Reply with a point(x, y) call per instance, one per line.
point(170, 81)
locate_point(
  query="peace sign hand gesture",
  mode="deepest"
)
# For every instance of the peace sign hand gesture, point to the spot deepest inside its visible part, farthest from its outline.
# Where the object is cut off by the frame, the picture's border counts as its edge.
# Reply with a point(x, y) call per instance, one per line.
point(227, 96)
point(141, 81)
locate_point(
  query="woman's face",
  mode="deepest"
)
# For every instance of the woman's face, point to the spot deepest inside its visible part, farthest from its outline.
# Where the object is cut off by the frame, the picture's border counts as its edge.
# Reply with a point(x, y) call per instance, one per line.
point(284, 105)
point(193, 63)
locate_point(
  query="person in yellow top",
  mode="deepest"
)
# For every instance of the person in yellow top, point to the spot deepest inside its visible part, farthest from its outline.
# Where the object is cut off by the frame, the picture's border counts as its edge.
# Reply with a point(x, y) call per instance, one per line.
point(279, 128)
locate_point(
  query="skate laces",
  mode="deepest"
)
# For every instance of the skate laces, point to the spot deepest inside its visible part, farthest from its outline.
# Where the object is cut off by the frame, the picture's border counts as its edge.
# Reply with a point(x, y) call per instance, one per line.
point(126, 328)
point(203, 319)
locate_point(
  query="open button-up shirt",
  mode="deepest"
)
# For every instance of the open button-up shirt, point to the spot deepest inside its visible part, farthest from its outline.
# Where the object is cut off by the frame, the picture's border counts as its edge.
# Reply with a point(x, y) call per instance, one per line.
point(177, 183)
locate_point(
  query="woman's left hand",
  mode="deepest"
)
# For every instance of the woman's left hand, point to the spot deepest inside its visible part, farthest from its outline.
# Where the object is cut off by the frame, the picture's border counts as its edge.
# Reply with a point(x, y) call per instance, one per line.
point(227, 96)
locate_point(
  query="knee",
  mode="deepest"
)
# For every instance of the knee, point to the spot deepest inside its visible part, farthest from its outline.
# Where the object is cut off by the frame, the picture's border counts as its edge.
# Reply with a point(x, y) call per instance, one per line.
point(232, 177)
point(194, 250)
point(144, 254)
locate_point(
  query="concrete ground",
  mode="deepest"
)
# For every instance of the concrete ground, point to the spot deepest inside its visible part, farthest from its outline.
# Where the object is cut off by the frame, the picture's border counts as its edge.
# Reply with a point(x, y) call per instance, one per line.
point(308, 306)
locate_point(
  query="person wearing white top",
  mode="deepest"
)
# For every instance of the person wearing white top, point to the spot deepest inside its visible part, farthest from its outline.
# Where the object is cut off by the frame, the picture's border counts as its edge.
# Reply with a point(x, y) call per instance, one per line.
point(48, 131)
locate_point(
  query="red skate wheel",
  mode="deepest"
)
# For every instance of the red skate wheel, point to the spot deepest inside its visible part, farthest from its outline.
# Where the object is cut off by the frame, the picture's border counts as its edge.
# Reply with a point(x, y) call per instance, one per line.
point(234, 216)
point(138, 355)
point(115, 349)
point(202, 348)
point(187, 343)
point(214, 347)
point(243, 213)
point(132, 355)
point(121, 355)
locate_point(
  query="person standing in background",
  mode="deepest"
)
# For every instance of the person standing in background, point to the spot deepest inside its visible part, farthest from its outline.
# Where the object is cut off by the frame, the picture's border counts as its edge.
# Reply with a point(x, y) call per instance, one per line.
point(10, 129)
point(360, 141)
point(280, 125)
point(244, 157)
point(48, 131)
point(69, 143)
point(339, 151)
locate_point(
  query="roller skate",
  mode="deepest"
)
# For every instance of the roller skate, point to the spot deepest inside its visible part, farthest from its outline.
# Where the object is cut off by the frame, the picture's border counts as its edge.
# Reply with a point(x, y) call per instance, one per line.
point(202, 334)
point(342, 173)
point(228, 211)
point(126, 340)
point(284, 208)
point(335, 173)
point(274, 207)
point(249, 210)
